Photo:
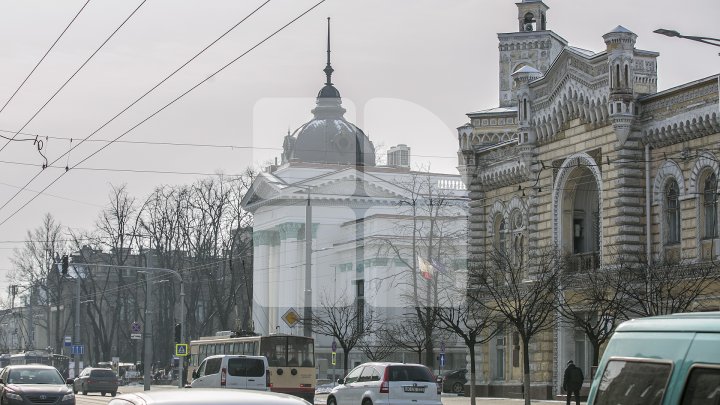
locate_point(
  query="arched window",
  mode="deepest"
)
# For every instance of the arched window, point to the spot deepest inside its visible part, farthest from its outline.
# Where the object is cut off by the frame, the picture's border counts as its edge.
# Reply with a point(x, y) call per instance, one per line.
point(627, 80)
point(710, 206)
point(617, 76)
point(500, 235)
point(672, 212)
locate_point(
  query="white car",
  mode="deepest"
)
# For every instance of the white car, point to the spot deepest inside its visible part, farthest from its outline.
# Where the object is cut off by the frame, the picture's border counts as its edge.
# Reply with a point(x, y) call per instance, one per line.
point(387, 383)
point(209, 396)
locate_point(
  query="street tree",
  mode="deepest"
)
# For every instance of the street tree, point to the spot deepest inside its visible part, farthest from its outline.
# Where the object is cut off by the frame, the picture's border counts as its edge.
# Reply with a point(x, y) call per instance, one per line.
point(522, 291)
point(343, 319)
point(666, 286)
point(592, 300)
point(474, 324)
point(36, 271)
point(426, 239)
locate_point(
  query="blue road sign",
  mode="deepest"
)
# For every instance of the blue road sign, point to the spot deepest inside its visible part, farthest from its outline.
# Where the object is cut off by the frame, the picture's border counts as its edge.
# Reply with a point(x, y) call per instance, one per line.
point(68, 341)
point(78, 349)
point(442, 359)
point(334, 346)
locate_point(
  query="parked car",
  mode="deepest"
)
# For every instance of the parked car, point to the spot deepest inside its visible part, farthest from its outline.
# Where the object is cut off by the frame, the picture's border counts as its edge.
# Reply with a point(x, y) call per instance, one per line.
point(232, 371)
point(207, 396)
point(387, 383)
point(30, 384)
point(102, 380)
point(454, 381)
point(672, 359)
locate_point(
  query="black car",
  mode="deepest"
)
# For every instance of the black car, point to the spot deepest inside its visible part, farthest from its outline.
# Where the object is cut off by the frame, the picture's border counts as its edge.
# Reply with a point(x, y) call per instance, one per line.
point(25, 384)
point(102, 380)
point(454, 381)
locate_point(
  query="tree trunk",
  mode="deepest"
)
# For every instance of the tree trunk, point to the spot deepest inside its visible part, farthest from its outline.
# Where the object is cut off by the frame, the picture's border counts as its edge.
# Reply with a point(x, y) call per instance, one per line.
point(346, 354)
point(526, 370)
point(472, 373)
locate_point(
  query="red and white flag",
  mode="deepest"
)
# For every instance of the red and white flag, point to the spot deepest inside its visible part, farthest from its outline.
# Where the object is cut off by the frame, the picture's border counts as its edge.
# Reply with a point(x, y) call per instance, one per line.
point(427, 270)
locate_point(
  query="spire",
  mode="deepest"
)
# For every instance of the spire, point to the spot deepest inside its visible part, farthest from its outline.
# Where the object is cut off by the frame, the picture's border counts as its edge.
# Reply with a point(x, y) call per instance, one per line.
point(328, 69)
point(329, 91)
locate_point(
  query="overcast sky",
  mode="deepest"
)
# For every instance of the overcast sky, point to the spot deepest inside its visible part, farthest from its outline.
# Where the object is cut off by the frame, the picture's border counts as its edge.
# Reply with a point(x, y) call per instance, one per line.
point(408, 71)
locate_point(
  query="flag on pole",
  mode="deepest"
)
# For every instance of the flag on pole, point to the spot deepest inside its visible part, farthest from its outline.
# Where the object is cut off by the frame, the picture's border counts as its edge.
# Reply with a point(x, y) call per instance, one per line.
point(426, 268)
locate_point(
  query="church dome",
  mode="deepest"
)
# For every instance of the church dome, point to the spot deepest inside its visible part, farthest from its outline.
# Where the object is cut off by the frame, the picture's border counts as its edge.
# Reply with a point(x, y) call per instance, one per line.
point(329, 138)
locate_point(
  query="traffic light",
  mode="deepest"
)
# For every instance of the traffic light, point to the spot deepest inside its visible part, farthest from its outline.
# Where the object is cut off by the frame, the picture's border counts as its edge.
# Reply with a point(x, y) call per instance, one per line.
point(178, 333)
point(65, 265)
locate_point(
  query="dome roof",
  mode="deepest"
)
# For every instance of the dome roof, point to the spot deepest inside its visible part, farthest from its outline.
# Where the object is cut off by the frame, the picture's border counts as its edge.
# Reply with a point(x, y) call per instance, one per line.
point(329, 137)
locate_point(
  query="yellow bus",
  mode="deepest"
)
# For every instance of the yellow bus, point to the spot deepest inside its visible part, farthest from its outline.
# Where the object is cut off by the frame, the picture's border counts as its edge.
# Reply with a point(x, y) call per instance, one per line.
point(291, 358)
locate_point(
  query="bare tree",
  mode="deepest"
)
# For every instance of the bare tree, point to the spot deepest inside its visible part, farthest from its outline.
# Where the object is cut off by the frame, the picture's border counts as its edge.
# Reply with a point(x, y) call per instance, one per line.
point(375, 345)
point(664, 287)
point(344, 320)
point(429, 230)
point(35, 269)
point(593, 301)
point(473, 324)
point(523, 292)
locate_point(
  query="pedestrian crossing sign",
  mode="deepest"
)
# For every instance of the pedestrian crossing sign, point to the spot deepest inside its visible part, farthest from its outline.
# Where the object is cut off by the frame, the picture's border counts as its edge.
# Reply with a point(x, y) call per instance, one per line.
point(181, 349)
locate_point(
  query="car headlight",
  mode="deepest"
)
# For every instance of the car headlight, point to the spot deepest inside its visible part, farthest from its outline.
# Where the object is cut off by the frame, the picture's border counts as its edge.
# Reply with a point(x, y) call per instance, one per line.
point(13, 396)
point(68, 397)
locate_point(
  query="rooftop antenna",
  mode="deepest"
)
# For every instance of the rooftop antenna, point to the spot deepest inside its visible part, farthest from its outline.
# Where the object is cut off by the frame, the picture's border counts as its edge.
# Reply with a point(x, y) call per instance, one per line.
point(328, 69)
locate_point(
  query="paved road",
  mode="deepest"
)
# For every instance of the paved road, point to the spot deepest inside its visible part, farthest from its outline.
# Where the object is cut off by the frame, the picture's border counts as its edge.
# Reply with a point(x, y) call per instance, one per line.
point(95, 399)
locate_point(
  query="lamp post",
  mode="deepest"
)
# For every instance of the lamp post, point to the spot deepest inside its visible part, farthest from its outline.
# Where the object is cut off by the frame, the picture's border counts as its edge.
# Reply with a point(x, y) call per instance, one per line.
point(675, 34)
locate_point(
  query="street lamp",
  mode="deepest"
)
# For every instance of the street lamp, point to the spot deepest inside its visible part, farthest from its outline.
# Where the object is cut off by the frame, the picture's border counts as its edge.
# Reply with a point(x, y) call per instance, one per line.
point(675, 34)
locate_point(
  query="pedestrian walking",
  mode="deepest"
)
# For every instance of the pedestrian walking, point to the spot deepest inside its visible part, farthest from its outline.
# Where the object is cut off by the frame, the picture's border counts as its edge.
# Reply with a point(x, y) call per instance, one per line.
point(573, 381)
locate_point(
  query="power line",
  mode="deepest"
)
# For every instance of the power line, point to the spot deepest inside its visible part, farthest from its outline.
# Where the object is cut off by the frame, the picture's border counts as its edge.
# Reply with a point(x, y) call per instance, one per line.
point(43, 58)
point(73, 76)
point(131, 104)
point(158, 111)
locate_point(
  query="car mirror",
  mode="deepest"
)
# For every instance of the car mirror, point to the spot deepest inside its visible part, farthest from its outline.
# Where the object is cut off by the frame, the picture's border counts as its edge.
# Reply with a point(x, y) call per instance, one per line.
point(340, 381)
point(439, 379)
point(194, 374)
point(1, 381)
point(69, 381)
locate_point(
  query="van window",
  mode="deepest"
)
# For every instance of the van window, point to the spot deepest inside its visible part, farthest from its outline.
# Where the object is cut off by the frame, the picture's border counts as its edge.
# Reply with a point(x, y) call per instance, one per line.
point(212, 366)
point(244, 367)
point(702, 387)
point(630, 382)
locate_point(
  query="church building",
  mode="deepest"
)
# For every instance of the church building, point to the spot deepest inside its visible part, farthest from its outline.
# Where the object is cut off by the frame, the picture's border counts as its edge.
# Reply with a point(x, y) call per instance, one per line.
point(335, 229)
point(584, 155)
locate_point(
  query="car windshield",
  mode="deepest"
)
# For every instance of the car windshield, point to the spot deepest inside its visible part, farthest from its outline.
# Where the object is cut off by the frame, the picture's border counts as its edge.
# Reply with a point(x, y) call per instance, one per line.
point(34, 376)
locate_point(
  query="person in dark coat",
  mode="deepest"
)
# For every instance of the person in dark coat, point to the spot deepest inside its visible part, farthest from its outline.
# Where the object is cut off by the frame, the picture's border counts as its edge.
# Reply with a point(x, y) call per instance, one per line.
point(573, 381)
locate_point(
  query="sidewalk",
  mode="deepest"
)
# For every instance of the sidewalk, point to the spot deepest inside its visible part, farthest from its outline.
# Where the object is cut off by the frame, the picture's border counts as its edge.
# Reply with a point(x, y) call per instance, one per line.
point(460, 400)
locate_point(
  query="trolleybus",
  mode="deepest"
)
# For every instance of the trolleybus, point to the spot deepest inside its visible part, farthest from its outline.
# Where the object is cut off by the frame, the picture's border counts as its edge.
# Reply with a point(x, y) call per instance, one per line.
point(291, 358)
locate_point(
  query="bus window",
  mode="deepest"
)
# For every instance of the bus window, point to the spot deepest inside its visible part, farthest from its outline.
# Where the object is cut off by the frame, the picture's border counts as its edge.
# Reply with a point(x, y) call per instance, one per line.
point(300, 352)
point(275, 349)
point(251, 348)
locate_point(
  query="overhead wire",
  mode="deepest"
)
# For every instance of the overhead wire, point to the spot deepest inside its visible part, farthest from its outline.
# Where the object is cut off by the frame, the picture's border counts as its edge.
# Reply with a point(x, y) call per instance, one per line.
point(74, 74)
point(158, 111)
point(135, 101)
point(43, 58)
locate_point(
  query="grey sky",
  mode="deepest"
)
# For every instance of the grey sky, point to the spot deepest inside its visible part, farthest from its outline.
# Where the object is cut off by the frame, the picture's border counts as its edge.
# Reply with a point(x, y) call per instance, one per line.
point(408, 71)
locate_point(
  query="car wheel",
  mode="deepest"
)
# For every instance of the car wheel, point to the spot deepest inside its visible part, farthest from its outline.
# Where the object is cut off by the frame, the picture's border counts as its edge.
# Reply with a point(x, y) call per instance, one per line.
point(458, 388)
point(103, 393)
point(74, 390)
point(331, 401)
point(112, 394)
point(366, 401)
point(84, 391)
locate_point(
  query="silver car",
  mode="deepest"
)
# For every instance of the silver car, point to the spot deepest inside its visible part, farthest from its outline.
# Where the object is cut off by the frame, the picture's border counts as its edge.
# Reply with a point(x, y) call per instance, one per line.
point(208, 396)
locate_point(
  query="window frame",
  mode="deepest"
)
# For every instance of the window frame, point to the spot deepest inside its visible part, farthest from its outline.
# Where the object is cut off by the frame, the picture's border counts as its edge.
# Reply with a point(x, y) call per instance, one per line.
point(671, 211)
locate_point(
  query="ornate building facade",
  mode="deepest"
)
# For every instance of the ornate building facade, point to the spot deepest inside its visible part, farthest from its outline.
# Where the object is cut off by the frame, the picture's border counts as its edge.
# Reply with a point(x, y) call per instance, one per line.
point(585, 155)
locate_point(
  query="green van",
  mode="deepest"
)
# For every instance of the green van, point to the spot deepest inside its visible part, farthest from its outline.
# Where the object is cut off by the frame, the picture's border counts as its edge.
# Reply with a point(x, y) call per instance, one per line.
point(661, 360)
